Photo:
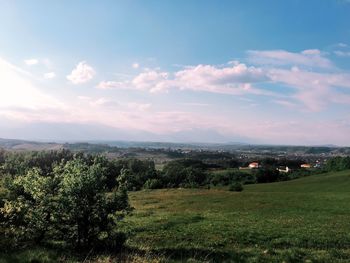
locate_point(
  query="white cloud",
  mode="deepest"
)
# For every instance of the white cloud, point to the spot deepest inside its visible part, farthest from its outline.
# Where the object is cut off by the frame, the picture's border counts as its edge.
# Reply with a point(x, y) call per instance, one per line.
point(49, 75)
point(153, 81)
point(139, 106)
point(196, 104)
point(31, 62)
point(237, 78)
point(113, 85)
point(315, 90)
point(42, 61)
point(340, 53)
point(82, 73)
point(234, 79)
point(46, 62)
point(84, 98)
point(101, 101)
point(310, 58)
point(342, 45)
point(315, 52)
point(286, 103)
point(135, 65)
point(314, 85)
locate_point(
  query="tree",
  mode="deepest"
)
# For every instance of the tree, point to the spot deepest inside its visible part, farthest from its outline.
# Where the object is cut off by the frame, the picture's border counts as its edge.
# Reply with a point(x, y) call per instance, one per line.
point(185, 173)
point(29, 209)
point(267, 175)
point(236, 187)
point(70, 204)
point(87, 214)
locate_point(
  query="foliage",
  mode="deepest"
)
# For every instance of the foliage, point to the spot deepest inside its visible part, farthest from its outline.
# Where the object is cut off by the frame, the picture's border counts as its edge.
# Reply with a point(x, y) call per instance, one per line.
point(134, 173)
point(28, 210)
point(338, 163)
point(153, 184)
point(302, 173)
point(70, 204)
point(184, 173)
point(236, 187)
point(14, 163)
point(227, 177)
point(267, 175)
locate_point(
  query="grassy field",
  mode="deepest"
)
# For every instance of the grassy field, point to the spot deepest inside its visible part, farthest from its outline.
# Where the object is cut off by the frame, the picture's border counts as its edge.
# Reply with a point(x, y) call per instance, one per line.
point(304, 220)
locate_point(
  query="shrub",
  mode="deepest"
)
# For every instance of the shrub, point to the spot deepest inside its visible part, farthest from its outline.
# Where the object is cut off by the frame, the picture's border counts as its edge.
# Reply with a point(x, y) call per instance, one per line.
point(153, 184)
point(230, 177)
point(236, 187)
point(267, 175)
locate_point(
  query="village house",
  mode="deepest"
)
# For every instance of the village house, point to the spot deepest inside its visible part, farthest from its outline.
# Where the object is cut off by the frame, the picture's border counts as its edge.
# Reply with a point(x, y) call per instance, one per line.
point(253, 165)
point(284, 169)
point(305, 165)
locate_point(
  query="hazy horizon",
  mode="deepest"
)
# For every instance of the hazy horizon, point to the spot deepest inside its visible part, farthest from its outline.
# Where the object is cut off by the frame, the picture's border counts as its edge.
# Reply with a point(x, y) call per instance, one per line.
point(258, 72)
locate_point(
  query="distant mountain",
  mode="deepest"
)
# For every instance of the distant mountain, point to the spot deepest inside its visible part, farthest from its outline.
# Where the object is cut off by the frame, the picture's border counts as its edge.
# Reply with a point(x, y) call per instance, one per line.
point(62, 132)
point(15, 144)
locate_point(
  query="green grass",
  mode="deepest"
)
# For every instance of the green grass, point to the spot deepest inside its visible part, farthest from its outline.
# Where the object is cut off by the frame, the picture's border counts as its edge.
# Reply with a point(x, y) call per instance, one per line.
point(300, 220)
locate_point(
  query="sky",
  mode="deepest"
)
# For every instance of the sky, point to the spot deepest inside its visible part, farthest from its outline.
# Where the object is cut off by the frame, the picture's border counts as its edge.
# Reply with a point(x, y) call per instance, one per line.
point(265, 72)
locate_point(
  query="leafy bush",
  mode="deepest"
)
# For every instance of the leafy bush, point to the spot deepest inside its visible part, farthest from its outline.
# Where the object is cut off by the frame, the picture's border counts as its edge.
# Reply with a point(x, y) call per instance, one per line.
point(153, 184)
point(236, 187)
point(229, 177)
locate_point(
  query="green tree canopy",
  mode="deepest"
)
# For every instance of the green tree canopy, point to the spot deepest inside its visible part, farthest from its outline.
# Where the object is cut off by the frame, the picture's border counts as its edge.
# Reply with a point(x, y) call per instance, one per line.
point(71, 204)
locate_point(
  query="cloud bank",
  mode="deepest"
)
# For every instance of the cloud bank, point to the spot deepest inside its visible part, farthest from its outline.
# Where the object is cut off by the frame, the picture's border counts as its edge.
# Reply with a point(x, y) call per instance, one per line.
point(234, 79)
point(315, 80)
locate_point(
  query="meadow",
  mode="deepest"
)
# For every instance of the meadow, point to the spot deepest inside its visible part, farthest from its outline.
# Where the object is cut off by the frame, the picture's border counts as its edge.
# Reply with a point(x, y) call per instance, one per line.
point(303, 220)
point(306, 219)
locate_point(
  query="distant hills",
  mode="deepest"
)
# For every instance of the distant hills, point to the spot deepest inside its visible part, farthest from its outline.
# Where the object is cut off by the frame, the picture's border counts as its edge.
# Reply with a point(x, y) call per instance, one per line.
point(111, 146)
point(15, 144)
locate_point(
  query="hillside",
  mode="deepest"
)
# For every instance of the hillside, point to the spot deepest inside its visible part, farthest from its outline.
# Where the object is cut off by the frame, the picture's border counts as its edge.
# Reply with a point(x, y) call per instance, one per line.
point(304, 219)
point(328, 182)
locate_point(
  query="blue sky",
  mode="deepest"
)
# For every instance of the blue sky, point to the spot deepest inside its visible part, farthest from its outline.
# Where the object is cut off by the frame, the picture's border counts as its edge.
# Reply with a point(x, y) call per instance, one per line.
point(211, 71)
